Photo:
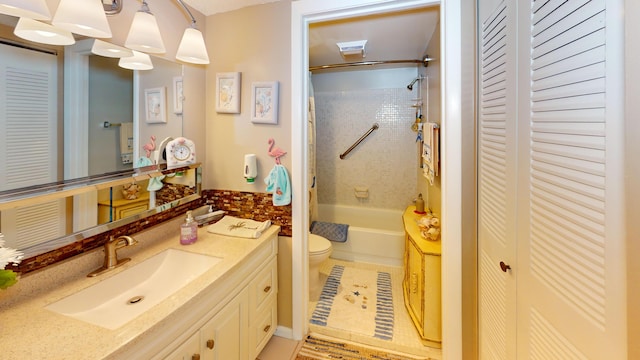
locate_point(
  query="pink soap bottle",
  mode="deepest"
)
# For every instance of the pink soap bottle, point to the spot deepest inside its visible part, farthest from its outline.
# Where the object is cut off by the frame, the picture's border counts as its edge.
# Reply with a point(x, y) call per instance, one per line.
point(188, 230)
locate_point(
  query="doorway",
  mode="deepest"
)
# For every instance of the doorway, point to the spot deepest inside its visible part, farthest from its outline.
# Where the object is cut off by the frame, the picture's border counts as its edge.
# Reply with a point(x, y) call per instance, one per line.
point(454, 105)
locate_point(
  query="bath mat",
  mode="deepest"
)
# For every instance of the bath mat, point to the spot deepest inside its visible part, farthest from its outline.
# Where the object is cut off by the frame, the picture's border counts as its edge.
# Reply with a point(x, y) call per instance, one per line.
point(331, 231)
point(356, 300)
point(316, 347)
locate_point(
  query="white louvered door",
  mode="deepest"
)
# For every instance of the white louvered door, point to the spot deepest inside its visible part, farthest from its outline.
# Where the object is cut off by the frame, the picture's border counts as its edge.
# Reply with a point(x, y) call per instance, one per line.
point(567, 278)
point(497, 179)
point(28, 142)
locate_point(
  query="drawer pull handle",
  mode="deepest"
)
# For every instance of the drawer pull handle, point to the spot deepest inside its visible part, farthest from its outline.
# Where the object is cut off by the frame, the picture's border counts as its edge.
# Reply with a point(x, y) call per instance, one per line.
point(414, 283)
point(266, 328)
point(195, 357)
point(210, 343)
point(267, 288)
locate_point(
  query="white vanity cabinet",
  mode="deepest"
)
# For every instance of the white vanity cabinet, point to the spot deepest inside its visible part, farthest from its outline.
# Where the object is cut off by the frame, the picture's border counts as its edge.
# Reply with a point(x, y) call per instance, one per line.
point(220, 338)
point(243, 326)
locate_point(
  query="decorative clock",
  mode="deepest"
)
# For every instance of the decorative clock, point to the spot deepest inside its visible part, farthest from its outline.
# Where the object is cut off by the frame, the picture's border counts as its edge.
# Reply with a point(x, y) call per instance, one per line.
point(180, 151)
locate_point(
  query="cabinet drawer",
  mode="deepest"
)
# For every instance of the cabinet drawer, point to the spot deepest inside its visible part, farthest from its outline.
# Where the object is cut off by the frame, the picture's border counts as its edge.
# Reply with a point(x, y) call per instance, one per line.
point(263, 288)
point(263, 327)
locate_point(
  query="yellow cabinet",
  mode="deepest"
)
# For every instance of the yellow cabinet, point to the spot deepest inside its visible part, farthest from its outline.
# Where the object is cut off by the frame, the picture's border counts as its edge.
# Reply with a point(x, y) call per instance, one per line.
point(121, 208)
point(422, 281)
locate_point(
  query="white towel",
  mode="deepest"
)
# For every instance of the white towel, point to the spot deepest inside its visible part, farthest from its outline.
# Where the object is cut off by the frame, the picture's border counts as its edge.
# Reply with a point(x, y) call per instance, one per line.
point(126, 138)
point(233, 226)
point(430, 155)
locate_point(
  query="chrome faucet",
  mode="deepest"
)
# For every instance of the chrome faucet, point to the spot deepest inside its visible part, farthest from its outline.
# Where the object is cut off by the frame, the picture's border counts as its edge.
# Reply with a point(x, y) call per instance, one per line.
point(110, 256)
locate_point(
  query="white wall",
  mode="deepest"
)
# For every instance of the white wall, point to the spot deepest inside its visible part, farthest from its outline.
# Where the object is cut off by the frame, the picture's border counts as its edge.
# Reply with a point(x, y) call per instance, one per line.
point(348, 103)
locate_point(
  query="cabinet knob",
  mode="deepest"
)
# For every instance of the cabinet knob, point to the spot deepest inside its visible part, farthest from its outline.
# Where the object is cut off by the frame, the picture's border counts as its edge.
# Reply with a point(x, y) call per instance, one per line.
point(195, 357)
point(504, 266)
point(266, 328)
point(267, 288)
point(210, 343)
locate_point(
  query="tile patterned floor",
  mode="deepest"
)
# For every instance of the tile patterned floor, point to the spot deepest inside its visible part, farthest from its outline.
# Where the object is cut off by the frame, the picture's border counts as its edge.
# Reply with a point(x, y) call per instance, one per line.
point(405, 335)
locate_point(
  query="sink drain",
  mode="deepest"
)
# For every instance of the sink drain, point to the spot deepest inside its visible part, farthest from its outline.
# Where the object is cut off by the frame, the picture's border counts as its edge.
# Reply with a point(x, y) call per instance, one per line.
point(134, 300)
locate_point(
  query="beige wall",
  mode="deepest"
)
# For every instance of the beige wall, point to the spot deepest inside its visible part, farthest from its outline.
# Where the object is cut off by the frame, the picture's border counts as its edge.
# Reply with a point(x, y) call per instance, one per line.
point(432, 193)
point(632, 113)
point(256, 42)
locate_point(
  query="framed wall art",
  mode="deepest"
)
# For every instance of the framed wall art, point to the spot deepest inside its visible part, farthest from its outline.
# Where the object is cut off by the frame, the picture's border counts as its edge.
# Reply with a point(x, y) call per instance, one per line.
point(228, 92)
point(264, 102)
point(177, 95)
point(155, 105)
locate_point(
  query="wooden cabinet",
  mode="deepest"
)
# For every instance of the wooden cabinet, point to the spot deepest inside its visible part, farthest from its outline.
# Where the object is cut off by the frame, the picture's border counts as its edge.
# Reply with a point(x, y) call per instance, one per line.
point(121, 208)
point(422, 284)
point(242, 328)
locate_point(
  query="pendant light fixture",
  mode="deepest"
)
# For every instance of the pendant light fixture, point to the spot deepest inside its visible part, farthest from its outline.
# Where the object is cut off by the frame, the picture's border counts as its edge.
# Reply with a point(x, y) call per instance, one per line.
point(33, 9)
point(192, 48)
point(106, 49)
point(139, 61)
point(144, 34)
point(82, 17)
point(39, 32)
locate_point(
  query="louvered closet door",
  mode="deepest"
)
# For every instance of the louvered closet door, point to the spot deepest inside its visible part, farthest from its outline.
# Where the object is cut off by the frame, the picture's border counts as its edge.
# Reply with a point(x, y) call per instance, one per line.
point(570, 268)
point(550, 183)
point(497, 180)
point(28, 142)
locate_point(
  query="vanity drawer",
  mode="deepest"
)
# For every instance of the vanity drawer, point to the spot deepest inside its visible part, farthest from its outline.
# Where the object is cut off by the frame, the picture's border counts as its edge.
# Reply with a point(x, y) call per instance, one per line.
point(263, 288)
point(263, 327)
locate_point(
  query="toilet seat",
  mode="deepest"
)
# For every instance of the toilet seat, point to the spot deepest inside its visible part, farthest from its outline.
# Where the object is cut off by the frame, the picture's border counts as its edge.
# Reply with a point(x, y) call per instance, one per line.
point(318, 245)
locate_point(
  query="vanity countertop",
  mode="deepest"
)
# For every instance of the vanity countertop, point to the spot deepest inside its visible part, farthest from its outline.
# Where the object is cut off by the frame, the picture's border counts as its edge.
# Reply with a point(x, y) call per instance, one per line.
point(28, 330)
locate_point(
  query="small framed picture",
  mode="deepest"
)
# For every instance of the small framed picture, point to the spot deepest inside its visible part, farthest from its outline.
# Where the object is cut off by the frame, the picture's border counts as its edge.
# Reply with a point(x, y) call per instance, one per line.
point(228, 93)
point(155, 105)
point(177, 95)
point(264, 102)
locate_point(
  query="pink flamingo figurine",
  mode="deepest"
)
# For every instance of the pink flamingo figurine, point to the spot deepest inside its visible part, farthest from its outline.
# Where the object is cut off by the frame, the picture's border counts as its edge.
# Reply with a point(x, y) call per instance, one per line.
point(277, 152)
point(149, 147)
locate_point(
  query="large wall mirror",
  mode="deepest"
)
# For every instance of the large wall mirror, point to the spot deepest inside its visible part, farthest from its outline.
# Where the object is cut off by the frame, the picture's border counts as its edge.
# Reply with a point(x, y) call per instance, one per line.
point(73, 127)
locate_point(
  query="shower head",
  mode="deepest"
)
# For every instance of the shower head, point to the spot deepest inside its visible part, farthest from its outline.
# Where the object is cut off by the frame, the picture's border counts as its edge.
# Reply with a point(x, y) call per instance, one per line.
point(410, 86)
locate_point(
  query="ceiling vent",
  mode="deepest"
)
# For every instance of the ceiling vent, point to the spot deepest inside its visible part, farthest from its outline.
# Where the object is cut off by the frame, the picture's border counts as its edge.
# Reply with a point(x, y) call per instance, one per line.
point(352, 50)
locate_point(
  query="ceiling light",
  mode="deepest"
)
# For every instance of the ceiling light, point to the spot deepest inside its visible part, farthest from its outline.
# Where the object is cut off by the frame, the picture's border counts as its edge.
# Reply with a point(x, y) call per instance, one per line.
point(34, 9)
point(39, 32)
point(104, 48)
point(139, 61)
point(144, 34)
point(192, 48)
point(83, 17)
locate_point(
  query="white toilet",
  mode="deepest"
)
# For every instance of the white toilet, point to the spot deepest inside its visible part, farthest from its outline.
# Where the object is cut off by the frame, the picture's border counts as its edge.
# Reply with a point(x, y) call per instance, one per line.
point(319, 250)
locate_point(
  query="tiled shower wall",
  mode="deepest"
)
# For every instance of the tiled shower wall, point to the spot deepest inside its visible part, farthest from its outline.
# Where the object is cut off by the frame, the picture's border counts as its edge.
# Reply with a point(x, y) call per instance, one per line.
point(385, 162)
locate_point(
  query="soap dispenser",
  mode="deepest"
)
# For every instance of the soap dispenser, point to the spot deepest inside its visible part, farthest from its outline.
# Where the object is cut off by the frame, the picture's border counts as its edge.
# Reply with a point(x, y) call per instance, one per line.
point(188, 230)
point(419, 205)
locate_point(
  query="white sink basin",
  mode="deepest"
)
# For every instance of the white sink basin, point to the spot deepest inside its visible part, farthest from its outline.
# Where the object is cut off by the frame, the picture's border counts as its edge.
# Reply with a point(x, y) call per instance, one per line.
point(122, 297)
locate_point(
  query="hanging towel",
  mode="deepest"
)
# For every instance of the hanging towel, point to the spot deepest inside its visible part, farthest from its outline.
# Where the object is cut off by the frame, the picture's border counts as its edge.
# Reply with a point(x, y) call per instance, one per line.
point(331, 231)
point(430, 156)
point(238, 227)
point(278, 184)
point(126, 142)
point(155, 183)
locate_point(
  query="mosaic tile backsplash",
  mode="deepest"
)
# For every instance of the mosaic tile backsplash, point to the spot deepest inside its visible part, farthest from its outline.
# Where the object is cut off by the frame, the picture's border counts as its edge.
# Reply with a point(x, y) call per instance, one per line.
point(256, 206)
point(385, 162)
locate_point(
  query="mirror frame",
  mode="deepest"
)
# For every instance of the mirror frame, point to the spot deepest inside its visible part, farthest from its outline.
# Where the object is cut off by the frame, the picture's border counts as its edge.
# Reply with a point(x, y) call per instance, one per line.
point(42, 193)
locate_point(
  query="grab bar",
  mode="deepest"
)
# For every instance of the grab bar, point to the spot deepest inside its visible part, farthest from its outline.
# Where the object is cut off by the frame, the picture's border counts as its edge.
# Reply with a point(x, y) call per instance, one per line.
point(344, 154)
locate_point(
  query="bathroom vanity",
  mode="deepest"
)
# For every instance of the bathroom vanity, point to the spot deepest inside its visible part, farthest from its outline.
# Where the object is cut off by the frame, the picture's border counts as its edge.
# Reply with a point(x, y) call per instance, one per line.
point(422, 281)
point(228, 312)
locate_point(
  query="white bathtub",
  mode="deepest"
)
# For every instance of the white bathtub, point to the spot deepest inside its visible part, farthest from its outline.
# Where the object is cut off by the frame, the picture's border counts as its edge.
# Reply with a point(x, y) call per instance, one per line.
point(375, 235)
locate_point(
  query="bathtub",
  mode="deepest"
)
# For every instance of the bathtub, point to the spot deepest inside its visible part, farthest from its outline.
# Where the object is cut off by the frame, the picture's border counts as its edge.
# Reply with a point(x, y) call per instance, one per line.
point(375, 235)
